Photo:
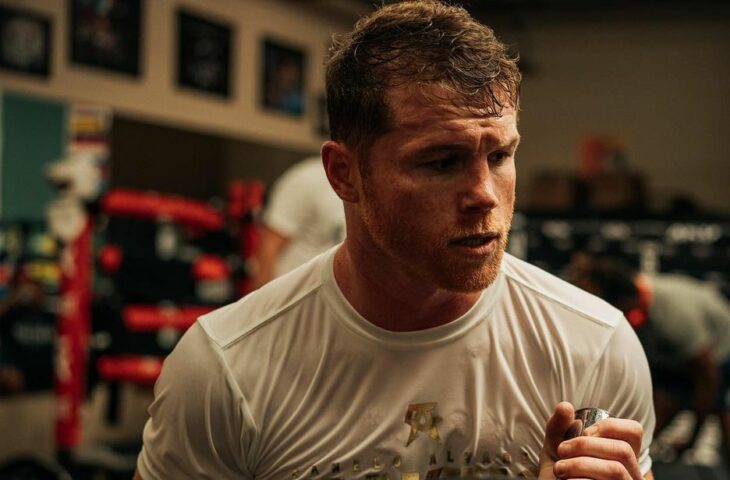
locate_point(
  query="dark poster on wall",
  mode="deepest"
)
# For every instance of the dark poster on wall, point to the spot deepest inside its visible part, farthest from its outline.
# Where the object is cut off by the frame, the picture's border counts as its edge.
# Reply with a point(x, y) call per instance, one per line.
point(283, 78)
point(204, 54)
point(25, 42)
point(106, 34)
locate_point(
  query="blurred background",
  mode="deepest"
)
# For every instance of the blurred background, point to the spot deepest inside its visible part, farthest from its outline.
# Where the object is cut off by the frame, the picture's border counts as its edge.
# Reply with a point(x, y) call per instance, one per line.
point(139, 141)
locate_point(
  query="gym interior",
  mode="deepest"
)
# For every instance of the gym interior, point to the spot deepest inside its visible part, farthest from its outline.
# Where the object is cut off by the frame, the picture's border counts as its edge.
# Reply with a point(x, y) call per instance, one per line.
point(139, 141)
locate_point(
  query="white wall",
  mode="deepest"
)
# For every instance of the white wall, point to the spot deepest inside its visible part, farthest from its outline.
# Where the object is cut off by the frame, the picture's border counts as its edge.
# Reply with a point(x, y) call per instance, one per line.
point(663, 86)
point(154, 95)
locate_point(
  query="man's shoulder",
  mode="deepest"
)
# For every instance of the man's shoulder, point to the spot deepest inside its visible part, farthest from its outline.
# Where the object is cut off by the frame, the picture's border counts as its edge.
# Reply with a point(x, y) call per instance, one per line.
point(679, 287)
point(540, 286)
point(275, 301)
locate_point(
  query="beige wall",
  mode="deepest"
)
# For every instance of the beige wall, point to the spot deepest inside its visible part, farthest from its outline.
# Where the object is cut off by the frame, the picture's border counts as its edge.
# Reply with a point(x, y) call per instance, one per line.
point(661, 85)
point(155, 97)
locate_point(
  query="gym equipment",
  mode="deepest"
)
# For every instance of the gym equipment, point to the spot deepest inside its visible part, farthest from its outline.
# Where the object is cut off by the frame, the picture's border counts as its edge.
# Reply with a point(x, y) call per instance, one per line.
point(29, 283)
point(139, 270)
point(699, 247)
point(33, 468)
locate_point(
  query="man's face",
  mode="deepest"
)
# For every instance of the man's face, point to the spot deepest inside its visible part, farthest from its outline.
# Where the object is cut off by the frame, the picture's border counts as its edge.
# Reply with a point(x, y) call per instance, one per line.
point(440, 192)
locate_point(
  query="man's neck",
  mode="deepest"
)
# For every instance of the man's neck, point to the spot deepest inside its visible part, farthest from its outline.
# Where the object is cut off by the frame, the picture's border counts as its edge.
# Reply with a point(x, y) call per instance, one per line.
point(392, 299)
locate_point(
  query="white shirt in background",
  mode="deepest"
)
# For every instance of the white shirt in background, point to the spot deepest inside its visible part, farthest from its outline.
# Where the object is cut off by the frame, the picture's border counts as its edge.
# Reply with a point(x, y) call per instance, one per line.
point(304, 208)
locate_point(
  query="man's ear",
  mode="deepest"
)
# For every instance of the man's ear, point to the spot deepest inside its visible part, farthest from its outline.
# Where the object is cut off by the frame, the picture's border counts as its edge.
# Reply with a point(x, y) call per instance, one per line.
point(343, 174)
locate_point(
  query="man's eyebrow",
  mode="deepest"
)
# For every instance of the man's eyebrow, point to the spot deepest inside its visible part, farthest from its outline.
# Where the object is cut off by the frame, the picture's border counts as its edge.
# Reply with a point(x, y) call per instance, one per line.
point(456, 146)
point(494, 142)
point(515, 141)
point(443, 147)
point(440, 148)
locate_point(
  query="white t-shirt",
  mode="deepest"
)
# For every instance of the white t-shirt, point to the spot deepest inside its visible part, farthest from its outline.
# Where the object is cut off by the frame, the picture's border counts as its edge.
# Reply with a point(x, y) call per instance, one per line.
point(291, 382)
point(304, 208)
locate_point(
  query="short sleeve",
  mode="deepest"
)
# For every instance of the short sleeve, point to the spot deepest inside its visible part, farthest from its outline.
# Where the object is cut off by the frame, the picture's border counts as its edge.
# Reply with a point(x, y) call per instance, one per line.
point(716, 309)
point(291, 199)
point(197, 425)
point(621, 384)
point(682, 327)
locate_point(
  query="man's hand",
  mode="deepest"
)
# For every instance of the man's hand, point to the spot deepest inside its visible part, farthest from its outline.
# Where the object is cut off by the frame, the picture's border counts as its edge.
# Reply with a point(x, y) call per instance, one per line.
point(607, 451)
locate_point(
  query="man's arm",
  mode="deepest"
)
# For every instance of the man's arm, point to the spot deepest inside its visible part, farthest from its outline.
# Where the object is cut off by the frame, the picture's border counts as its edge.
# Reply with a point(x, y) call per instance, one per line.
point(705, 388)
point(290, 206)
point(271, 243)
point(198, 425)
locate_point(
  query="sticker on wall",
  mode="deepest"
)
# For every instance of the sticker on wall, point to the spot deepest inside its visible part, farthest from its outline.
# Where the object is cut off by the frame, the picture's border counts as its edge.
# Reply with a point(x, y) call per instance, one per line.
point(204, 54)
point(106, 34)
point(283, 78)
point(25, 42)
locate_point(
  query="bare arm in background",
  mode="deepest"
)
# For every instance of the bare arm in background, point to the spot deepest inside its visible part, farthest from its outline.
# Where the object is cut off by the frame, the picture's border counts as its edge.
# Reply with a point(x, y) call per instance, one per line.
point(271, 244)
point(705, 390)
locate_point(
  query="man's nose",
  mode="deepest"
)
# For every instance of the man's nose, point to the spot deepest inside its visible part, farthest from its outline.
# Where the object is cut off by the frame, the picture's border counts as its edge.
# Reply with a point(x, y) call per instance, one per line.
point(478, 195)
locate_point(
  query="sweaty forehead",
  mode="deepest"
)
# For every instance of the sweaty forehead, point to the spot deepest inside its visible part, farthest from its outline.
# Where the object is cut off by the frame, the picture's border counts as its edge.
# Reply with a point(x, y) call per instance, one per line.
point(418, 118)
point(418, 106)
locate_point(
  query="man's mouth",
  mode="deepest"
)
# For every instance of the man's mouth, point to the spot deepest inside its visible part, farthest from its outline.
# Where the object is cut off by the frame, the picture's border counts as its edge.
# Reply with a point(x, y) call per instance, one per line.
point(474, 240)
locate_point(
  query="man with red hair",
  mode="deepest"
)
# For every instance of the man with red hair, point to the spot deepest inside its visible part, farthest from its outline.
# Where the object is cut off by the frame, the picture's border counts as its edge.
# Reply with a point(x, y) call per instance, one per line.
point(416, 348)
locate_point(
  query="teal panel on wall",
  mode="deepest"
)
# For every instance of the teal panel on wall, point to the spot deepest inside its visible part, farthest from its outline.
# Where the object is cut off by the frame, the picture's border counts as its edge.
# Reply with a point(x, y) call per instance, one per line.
point(33, 135)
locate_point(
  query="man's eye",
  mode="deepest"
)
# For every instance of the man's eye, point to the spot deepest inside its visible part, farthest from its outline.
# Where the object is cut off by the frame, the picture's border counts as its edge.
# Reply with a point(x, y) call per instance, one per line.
point(443, 164)
point(498, 158)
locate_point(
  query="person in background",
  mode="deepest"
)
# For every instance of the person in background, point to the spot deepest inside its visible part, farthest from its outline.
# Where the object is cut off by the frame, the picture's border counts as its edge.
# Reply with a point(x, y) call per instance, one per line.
point(684, 325)
point(416, 348)
point(26, 336)
point(303, 218)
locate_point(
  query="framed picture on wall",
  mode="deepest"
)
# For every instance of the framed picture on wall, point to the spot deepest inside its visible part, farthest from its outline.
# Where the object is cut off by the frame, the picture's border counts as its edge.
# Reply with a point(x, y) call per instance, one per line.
point(106, 34)
point(25, 41)
point(204, 54)
point(283, 78)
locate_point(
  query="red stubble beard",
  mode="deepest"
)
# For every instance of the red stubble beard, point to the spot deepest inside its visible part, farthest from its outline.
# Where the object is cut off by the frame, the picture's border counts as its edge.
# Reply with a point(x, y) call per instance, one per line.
point(427, 254)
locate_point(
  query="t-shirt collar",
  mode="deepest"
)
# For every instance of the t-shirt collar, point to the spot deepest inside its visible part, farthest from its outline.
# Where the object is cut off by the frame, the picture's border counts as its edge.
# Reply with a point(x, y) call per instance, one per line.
point(405, 340)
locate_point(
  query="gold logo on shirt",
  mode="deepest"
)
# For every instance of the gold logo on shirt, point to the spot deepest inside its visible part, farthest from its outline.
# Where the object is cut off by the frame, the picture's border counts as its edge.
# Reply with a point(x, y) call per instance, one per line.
point(420, 418)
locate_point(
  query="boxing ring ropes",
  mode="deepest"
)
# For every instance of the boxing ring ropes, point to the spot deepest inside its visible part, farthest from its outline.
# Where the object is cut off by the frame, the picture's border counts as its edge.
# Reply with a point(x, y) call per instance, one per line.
point(74, 318)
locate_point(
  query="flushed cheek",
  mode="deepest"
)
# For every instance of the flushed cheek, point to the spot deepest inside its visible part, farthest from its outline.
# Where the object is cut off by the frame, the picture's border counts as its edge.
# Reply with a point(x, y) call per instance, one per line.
point(506, 194)
point(430, 210)
point(508, 186)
